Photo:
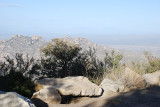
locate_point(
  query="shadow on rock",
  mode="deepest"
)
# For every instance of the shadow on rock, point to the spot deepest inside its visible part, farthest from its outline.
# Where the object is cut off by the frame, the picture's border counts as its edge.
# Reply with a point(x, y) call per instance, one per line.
point(39, 102)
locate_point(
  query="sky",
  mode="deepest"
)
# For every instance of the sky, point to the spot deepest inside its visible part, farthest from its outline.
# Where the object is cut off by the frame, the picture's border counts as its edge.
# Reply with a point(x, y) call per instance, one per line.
point(114, 22)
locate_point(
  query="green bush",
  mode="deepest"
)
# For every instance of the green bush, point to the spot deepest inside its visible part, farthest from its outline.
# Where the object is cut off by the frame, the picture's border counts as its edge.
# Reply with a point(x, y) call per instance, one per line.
point(17, 75)
point(113, 61)
point(16, 82)
point(95, 68)
point(28, 67)
point(61, 59)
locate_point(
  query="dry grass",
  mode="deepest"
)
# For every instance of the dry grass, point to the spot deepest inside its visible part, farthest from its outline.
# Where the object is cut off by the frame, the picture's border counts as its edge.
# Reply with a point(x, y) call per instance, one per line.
point(115, 74)
point(138, 68)
point(129, 79)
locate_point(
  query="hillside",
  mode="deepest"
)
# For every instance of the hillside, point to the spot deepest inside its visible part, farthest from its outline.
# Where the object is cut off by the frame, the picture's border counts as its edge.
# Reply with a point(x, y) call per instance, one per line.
point(21, 44)
point(32, 46)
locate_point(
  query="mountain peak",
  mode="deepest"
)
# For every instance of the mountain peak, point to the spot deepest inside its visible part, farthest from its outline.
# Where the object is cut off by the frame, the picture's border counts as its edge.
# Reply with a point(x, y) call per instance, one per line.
point(37, 38)
point(16, 36)
point(66, 37)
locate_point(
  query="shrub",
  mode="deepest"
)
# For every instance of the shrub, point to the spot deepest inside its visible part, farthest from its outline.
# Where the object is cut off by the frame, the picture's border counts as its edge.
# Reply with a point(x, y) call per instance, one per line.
point(61, 59)
point(118, 74)
point(28, 67)
point(95, 68)
point(7, 66)
point(153, 63)
point(113, 61)
point(18, 83)
point(18, 74)
point(138, 68)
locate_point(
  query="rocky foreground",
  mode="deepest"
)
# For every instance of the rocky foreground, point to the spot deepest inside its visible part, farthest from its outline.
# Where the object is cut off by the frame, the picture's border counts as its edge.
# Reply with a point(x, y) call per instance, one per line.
point(80, 92)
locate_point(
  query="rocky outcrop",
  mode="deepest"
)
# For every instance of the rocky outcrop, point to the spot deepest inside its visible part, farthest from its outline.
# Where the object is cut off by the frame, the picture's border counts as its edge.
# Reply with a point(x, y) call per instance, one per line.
point(12, 99)
point(76, 86)
point(152, 78)
point(48, 96)
point(22, 44)
point(110, 85)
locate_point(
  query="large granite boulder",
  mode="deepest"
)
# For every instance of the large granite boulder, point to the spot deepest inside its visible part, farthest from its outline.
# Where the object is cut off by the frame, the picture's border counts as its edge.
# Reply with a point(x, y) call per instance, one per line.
point(152, 78)
point(110, 85)
point(47, 96)
point(12, 99)
point(76, 86)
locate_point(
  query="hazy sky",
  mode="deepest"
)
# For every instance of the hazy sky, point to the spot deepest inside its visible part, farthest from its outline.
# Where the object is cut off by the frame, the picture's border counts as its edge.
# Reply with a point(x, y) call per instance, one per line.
point(102, 21)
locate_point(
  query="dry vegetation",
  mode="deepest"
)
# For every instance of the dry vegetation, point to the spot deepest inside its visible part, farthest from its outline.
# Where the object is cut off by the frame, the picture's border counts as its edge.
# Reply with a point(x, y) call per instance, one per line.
point(134, 79)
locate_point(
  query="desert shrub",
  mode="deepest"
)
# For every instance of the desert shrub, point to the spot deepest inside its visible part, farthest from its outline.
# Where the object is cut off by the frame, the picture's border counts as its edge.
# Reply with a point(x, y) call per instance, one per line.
point(18, 74)
point(16, 82)
point(138, 67)
point(28, 67)
point(61, 59)
point(112, 61)
point(118, 74)
point(100, 69)
point(153, 63)
point(7, 66)
point(95, 68)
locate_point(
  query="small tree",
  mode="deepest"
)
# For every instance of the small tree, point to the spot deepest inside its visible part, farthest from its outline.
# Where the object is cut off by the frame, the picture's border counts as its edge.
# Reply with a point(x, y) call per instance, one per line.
point(60, 59)
point(113, 61)
point(7, 66)
point(18, 83)
point(95, 68)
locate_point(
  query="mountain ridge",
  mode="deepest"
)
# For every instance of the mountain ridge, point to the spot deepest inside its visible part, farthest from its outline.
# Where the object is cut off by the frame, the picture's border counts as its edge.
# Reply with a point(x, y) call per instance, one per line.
point(21, 44)
point(32, 46)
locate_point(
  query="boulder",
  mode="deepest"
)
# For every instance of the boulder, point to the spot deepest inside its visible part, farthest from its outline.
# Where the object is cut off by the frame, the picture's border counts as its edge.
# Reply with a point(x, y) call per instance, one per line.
point(110, 85)
point(12, 99)
point(47, 96)
point(152, 78)
point(76, 86)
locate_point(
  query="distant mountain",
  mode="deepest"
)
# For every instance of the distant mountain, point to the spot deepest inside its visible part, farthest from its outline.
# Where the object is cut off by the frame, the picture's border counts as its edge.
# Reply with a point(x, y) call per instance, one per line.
point(32, 46)
point(21, 44)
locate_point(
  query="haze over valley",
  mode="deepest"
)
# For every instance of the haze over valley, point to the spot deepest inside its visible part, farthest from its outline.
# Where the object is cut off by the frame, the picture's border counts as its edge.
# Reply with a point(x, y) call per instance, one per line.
point(32, 45)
